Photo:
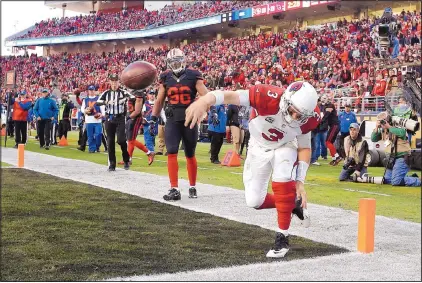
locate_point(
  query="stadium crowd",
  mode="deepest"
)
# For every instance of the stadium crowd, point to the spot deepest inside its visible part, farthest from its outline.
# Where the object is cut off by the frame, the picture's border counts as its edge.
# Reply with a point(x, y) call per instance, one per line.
point(131, 19)
point(338, 56)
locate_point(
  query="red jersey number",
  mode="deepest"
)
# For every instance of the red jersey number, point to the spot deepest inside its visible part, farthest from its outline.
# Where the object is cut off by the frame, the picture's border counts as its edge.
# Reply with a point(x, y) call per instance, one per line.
point(179, 95)
point(275, 135)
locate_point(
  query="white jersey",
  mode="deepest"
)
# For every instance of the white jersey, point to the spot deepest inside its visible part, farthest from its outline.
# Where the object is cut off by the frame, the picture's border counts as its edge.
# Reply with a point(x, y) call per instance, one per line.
point(268, 126)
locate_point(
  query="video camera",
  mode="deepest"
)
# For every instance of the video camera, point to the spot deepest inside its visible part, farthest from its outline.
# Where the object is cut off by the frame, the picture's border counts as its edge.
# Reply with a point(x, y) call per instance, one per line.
point(387, 31)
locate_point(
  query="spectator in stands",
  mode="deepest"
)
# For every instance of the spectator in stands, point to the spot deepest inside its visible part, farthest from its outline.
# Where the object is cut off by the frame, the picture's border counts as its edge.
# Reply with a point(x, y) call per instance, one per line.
point(217, 119)
point(357, 154)
point(346, 118)
point(45, 110)
point(380, 85)
point(21, 106)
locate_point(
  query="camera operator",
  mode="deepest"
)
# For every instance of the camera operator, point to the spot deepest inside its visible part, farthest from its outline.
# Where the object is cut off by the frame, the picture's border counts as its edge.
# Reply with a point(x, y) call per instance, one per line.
point(357, 154)
point(397, 151)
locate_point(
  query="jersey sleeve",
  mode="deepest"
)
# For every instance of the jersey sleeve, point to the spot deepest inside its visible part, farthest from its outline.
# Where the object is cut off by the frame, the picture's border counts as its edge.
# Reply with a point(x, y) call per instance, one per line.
point(139, 94)
point(312, 122)
point(198, 75)
point(265, 99)
point(162, 78)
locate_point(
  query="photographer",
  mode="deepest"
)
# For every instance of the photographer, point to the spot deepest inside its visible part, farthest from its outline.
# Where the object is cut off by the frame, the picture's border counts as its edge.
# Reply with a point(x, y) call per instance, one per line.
point(397, 150)
point(357, 154)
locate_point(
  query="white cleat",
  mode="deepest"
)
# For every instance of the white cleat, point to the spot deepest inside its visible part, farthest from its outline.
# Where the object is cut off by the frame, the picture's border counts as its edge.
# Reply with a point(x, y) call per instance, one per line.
point(281, 246)
point(277, 254)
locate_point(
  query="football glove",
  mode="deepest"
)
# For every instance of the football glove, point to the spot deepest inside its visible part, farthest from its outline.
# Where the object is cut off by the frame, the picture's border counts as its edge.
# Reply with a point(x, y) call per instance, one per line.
point(153, 126)
point(214, 119)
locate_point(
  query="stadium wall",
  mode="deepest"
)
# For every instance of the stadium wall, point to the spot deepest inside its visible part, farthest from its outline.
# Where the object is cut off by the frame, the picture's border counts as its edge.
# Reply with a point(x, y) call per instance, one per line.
point(99, 47)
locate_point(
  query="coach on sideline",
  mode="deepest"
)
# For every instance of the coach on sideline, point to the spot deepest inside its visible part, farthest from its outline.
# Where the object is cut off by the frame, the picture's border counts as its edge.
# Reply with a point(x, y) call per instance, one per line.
point(115, 100)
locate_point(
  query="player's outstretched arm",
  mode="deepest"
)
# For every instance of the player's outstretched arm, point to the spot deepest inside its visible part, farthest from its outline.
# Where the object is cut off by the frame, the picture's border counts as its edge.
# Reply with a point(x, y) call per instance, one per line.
point(159, 102)
point(199, 108)
point(304, 158)
point(138, 108)
point(201, 88)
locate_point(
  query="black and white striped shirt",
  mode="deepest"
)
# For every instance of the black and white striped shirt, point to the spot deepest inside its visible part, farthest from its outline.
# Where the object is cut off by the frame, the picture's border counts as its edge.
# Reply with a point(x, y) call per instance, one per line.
point(115, 101)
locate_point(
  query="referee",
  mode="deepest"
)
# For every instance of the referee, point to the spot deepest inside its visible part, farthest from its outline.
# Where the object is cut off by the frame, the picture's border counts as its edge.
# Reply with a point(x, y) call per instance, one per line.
point(115, 100)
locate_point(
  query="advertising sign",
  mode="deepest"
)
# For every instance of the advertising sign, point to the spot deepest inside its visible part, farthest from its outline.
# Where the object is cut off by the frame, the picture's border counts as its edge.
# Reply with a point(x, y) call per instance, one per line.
point(260, 10)
point(242, 14)
point(276, 7)
point(293, 5)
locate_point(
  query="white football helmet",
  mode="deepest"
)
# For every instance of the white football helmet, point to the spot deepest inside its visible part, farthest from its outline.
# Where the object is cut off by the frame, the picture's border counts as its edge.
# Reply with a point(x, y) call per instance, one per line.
point(300, 97)
point(176, 60)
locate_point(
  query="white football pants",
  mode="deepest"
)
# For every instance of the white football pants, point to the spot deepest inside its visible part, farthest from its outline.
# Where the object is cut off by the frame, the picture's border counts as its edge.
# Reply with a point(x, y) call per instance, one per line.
point(260, 163)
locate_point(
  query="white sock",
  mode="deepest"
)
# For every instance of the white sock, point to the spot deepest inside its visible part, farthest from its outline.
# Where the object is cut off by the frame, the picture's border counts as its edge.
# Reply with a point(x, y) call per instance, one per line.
point(284, 232)
point(149, 152)
point(336, 155)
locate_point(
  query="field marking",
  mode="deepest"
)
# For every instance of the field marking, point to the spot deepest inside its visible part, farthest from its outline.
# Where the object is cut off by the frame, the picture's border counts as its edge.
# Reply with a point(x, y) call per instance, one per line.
point(397, 242)
point(366, 192)
point(312, 184)
point(237, 173)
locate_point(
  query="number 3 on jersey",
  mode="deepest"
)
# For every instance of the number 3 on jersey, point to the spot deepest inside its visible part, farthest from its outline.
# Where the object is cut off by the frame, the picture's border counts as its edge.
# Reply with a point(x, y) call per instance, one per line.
point(179, 95)
point(275, 135)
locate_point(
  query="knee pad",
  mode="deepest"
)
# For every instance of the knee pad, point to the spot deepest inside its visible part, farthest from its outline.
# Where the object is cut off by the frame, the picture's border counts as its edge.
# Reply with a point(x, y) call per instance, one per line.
point(254, 201)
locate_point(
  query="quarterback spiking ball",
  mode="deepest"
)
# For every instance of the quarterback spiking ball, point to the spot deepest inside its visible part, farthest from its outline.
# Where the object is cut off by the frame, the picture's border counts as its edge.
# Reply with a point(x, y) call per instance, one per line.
point(139, 75)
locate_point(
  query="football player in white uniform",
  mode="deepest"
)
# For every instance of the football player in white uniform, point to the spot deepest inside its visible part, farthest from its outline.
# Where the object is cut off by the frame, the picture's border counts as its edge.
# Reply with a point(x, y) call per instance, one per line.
point(280, 144)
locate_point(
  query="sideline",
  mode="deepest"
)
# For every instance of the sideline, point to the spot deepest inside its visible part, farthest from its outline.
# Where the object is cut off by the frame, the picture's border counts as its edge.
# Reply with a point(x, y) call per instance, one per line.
point(397, 242)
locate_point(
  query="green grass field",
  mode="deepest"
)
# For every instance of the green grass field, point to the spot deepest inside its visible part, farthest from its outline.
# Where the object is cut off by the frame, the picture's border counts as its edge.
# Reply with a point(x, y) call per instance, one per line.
point(323, 186)
point(3, 164)
point(60, 230)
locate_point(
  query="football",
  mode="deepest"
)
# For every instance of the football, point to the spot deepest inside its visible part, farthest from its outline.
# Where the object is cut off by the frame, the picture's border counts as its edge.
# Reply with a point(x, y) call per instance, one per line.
point(139, 75)
point(97, 115)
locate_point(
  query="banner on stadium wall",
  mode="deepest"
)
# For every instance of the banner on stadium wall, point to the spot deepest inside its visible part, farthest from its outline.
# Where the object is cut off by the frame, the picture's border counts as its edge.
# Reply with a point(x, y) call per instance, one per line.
point(277, 7)
point(117, 35)
point(242, 14)
point(306, 4)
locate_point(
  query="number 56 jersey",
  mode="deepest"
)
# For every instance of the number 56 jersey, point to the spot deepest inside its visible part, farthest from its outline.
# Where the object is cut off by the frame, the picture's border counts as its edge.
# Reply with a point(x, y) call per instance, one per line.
point(267, 125)
point(180, 91)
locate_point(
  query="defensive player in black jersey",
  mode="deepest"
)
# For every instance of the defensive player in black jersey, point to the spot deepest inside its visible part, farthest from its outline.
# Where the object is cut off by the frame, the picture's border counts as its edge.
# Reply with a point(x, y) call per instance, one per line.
point(180, 85)
point(133, 124)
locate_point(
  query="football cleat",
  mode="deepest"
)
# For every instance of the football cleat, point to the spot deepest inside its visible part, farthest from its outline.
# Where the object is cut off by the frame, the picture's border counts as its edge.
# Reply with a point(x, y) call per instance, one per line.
point(302, 214)
point(126, 166)
point(151, 158)
point(173, 194)
point(192, 192)
point(281, 246)
point(123, 163)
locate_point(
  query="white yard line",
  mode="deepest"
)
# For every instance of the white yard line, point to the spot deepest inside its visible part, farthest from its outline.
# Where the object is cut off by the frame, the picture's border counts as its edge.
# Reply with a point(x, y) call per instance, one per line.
point(397, 243)
point(366, 192)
